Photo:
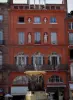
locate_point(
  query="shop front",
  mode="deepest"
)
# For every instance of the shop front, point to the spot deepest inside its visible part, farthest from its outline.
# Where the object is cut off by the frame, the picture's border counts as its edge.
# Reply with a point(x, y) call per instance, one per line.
point(1, 94)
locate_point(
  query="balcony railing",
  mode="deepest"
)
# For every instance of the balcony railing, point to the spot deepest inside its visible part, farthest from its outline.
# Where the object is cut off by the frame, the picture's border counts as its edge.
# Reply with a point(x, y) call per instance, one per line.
point(61, 67)
point(2, 42)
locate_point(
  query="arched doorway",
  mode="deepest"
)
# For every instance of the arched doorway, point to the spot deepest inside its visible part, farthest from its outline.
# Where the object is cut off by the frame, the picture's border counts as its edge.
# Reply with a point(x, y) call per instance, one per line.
point(19, 87)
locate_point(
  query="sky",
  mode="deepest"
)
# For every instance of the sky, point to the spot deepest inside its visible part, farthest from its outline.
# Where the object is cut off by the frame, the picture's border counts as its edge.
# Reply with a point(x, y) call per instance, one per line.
point(70, 2)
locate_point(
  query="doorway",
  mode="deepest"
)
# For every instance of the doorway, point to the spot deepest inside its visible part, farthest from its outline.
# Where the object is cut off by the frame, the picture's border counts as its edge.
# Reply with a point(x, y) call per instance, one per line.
point(18, 97)
point(55, 93)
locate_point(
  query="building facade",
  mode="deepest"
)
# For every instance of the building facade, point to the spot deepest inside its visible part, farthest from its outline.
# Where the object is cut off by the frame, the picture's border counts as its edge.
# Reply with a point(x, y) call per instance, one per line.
point(37, 39)
point(3, 48)
point(69, 31)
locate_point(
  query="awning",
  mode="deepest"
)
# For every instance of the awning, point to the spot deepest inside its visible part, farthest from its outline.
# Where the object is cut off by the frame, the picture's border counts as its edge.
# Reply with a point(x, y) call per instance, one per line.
point(19, 90)
point(71, 86)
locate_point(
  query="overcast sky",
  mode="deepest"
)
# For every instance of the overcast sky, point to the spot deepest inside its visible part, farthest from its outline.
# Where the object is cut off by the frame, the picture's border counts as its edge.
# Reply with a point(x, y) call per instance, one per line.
point(70, 2)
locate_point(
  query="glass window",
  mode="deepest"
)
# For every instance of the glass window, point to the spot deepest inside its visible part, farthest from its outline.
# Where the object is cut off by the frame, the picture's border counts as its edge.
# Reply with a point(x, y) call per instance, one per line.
point(70, 38)
point(21, 60)
point(37, 59)
point(53, 38)
point(21, 38)
point(71, 68)
point(37, 20)
point(21, 20)
point(1, 17)
point(55, 79)
point(37, 37)
point(1, 58)
point(70, 25)
point(53, 20)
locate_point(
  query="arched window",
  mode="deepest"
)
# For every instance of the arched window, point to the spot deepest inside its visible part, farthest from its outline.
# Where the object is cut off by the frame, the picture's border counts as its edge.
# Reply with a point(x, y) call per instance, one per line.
point(37, 59)
point(1, 58)
point(20, 80)
point(54, 59)
point(55, 79)
point(21, 59)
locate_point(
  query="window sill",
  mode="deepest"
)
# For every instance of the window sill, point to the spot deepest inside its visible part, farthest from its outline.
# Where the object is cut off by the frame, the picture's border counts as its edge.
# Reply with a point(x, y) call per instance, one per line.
point(37, 23)
point(21, 23)
point(53, 23)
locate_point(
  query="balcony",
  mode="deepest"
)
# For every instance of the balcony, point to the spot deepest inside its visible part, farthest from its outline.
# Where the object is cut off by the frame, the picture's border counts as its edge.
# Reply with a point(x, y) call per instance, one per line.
point(2, 42)
point(61, 67)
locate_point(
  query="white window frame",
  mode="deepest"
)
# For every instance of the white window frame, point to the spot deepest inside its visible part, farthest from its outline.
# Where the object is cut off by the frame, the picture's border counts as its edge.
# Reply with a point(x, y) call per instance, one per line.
point(54, 38)
point(1, 35)
point(35, 20)
point(55, 79)
point(23, 63)
point(71, 25)
point(34, 58)
point(54, 55)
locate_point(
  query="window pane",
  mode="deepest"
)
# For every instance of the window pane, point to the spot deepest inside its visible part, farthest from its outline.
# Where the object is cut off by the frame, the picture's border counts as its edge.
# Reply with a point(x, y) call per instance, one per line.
point(0, 59)
point(1, 17)
point(37, 36)
point(52, 20)
point(53, 38)
point(72, 25)
point(21, 20)
point(37, 20)
point(69, 25)
point(1, 35)
point(21, 38)
point(71, 38)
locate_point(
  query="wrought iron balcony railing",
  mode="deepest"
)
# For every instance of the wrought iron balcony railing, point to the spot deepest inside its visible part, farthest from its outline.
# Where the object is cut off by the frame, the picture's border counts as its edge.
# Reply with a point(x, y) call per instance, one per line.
point(45, 67)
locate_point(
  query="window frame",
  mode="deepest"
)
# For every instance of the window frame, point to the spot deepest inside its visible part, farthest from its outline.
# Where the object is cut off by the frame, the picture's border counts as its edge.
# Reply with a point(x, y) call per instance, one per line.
point(21, 38)
point(1, 19)
point(35, 20)
point(70, 25)
point(53, 20)
point(21, 22)
point(55, 41)
point(36, 39)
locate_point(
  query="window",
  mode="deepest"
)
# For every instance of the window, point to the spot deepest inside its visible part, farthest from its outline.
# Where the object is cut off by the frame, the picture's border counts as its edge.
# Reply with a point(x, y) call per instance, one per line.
point(71, 68)
point(54, 59)
point(70, 25)
point(37, 60)
point(52, 20)
point(55, 79)
point(21, 20)
point(71, 54)
point(37, 37)
point(1, 37)
point(70, 38)
point(53, 38)
point(37, 20)
point(21, 60)
point(21, 38)
point(1, 58)
point(1, 18)
point(20, 80)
